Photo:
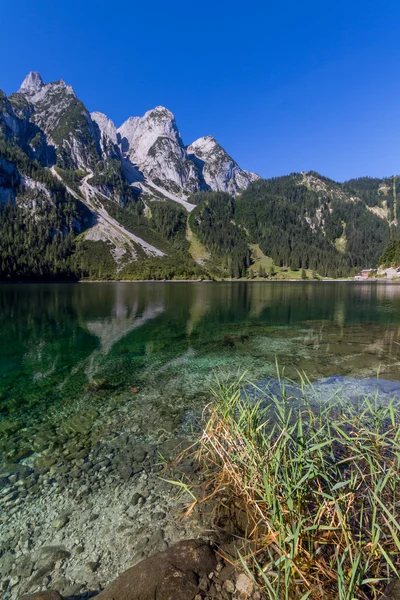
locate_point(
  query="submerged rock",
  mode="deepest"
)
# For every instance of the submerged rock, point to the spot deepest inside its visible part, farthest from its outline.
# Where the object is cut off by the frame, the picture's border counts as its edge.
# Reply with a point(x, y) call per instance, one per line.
point(47, 595)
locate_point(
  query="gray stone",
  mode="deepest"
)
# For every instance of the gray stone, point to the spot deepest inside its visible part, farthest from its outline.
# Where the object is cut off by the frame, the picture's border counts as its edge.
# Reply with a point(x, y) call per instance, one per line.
point(60, 522)
point(48, 554)
point(229, 586)
point(24, 567)
point(40, 574)
point(46, 595)
point(92, 566)
point(7, 562)
point(136, 498)
point(244, 585)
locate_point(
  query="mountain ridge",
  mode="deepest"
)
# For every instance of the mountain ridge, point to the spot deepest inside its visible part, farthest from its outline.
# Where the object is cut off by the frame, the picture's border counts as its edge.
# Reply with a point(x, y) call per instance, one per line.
point(141, 189)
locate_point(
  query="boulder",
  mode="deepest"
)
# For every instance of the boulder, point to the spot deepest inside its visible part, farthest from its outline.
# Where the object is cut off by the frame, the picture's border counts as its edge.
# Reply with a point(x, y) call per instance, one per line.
point(47, 595)
point(170, 575)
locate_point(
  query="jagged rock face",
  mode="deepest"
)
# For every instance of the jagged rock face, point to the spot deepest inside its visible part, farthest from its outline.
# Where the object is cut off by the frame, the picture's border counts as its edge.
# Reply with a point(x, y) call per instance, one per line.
point(31, 84)
point(153, 143)
point(53, 126)
point(219, 171)
point(15, 123)
point(107, 135)
point(65, 120)
point(9, 122)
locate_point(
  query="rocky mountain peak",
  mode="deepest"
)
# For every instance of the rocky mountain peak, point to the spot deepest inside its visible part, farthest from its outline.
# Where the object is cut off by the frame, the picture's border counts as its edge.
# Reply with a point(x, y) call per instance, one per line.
point(219, 171)
point(106, 126)
point(139, 134)
point(206, 145)
point(32, 83)
point(160, 112)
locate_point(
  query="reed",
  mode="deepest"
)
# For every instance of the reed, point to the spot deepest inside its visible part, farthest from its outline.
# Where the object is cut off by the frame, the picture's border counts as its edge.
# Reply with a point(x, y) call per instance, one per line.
point(319, 485)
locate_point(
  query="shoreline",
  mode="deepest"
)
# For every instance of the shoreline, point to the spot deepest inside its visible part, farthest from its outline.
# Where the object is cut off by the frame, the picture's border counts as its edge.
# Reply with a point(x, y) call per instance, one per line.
point(83, 281)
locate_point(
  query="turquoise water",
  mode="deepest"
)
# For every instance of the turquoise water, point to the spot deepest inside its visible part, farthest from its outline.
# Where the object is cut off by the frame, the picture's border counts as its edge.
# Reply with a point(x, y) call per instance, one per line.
point(64, 348)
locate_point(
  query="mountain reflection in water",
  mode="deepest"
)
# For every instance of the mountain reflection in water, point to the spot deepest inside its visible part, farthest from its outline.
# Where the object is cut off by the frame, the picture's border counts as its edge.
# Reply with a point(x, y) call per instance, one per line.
point(170, 339)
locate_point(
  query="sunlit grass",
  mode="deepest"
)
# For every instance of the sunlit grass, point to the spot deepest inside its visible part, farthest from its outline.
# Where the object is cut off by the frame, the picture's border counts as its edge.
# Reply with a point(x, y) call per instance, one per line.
point(319, 484)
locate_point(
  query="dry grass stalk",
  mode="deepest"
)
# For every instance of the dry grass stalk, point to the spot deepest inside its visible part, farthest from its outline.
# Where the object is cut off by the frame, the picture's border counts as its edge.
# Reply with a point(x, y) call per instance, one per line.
point(319, 485)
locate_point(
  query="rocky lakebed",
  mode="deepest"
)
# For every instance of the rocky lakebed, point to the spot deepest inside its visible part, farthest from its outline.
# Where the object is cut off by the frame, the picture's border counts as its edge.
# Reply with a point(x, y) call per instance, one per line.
point(85, 499)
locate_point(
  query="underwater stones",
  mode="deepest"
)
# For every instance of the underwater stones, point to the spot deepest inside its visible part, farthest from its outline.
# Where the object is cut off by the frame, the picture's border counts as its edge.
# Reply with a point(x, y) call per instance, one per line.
point(8, 427)
point(15, 469)
point(42, 440)
point(46, 595)
point(54, 554)
point(23, 567)
point(97, 384)
point(7, 563)
point(43, 463)
point(40, 574)
point(137, 498)
point(82, 422)
point(9, 497)
point(22, 453)
point(92, 565)
point(60, 522)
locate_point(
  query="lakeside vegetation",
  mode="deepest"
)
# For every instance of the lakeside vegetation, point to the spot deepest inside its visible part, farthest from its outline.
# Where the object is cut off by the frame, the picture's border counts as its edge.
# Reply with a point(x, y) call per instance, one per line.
point(317, 487)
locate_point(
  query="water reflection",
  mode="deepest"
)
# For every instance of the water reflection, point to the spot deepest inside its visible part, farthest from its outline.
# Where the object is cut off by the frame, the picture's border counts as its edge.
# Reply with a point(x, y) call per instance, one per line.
point(171, 337)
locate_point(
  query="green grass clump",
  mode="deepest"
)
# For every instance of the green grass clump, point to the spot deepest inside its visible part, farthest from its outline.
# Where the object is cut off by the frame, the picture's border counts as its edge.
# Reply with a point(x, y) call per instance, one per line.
point(319, 485)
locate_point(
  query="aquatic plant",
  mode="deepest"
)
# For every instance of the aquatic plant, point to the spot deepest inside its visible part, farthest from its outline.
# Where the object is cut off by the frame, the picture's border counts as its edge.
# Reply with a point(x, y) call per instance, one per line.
point(318, 484)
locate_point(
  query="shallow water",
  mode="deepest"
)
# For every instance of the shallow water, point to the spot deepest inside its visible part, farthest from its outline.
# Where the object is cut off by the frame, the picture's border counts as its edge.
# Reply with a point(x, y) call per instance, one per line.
point(169, 339)
point(97, 381)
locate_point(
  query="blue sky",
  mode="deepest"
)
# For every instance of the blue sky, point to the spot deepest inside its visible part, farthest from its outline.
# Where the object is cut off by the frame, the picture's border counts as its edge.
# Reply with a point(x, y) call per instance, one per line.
point(284, 87)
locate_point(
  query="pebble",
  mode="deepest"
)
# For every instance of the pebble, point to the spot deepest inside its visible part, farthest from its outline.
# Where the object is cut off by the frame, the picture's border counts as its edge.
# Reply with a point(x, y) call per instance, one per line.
point(67, 512)
point(229, 586)
point(60, 522)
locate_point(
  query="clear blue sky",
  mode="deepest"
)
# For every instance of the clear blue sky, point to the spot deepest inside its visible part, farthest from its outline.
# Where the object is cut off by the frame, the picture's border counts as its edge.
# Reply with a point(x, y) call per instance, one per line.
point(283, 86)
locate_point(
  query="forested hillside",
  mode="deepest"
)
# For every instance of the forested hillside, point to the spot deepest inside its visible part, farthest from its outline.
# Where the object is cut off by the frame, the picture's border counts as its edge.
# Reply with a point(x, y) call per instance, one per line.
point(213, 221)
point(80, 198)
point(299, 225)
point(39, 221)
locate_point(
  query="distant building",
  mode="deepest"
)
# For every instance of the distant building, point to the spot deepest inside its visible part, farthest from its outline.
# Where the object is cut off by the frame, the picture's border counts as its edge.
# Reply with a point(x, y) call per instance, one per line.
point(365, 273)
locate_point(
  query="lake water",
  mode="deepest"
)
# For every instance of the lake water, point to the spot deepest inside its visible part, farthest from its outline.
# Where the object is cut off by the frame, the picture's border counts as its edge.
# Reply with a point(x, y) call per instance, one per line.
point(97, 381)
point(65, 347)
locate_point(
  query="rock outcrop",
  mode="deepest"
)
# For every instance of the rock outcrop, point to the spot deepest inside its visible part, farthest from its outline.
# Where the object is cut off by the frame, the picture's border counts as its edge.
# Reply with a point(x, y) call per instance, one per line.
point(218, 170)
point(153, 143)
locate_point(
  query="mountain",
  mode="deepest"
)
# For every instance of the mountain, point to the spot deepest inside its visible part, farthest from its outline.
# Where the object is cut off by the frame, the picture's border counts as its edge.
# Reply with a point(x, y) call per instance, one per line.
point(218, 170)
point(81, 197)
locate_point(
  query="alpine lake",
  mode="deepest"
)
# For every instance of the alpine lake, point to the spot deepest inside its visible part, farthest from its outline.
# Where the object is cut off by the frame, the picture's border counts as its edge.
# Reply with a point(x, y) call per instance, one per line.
point(100, 382)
